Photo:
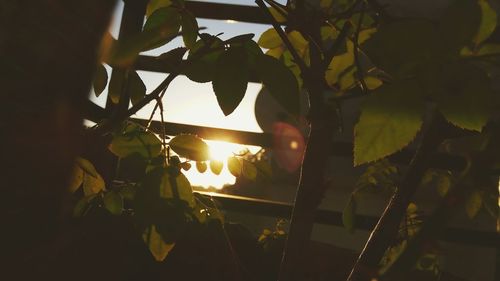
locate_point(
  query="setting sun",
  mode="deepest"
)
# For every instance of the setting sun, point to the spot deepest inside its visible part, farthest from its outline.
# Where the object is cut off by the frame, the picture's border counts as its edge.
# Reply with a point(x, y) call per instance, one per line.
point(219, 151)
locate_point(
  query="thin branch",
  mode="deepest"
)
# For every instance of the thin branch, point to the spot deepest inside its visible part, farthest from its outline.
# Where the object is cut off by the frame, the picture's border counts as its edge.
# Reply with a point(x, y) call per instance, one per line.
point(284, 38)
point(360, 73)
point(336, 45)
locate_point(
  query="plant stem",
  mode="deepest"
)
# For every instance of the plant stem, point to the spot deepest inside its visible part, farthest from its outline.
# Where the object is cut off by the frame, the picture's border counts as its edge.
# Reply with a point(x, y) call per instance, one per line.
point(387, 227)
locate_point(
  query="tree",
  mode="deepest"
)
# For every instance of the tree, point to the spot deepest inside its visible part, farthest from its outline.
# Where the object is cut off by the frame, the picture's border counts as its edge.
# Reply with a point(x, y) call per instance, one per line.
point(417, 77)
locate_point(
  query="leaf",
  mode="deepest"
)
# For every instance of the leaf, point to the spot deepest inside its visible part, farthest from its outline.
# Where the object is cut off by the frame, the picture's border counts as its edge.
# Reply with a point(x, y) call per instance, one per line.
point(489, 49)
point(230, 79)
point(189, 28)
point(158, 248)
point(299, 43)
point(234, 166)
point(390, 119)
point(339, 64)
point(372, 83)
point(365, 35)
point(488, 22)
point(113, 202)
point(82, 206)
point(136, 87)
point(249, 171)
point(443, 184)
point(76, 179)
point(87, 166)
point(473, 204)
point(144, 143)
point(172, 58)
point(182, 188)
point(240, 39)
point(190, 147)
point(116, 85)
point(278, 15)
point(92, 185)
point(459, 24)
point(186, 166)
point(216, 166)
point(276, 52)
point(270, 39)
point(280, 81)
point(201, 166)
point(100, 80)
point(154, 5)
point(200, 67)
point(399, 48)
point(349, 215)
point(466, 100)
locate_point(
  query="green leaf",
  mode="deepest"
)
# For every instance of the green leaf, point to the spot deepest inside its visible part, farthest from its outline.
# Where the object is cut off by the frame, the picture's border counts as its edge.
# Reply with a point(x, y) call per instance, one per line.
point(160, 28)
point(280, 81)
point(144, 143)
point(158, 248)
point(489, 49)
point(172, 58)
point(401, 47)
point(230, 79)
point(278, 15)
point(216, 166)
point(154, 5)
point(234, 165)
point(113, 202)
point(459, 24)
point(92, 185)
point(201, 166)
point(100, 80)
point(189, 28)
point(270, 39)
point(443, 184)
point(466, 98)
point(182, 186)
point(76, 179)
point(136, 87)
point(190, 147)
point(488, 22)
point(349, 214)
point(339, 64)
point(249, 171)
point(87, 167)
point(372, 83)
point(200, 67)
point(473, 203)
point(390, 119)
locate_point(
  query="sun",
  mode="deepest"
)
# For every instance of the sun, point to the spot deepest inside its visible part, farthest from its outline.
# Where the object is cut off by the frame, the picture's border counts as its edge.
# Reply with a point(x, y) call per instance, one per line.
point(219, 151)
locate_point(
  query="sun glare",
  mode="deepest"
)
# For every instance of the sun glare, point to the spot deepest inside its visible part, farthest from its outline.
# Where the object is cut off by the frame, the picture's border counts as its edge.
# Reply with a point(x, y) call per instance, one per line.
point(220, 151)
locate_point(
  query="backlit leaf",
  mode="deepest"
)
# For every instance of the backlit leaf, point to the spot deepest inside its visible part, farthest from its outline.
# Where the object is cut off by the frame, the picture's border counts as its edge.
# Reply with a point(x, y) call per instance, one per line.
point(390, 119)
point(280, 82)
point(136, 87)
point(249, 170)
point(339, 64)
point(100, 80)
point(182, 188)
point(190, 147)
point(158, 248)
point(87, 166)
point(234, 165)
point(201, 166)
point(113, 202)
point(189, 28)
point(92, 185)
point(270, 39)
point(144, 143)
point(488, 22)
point(278, 15)
point(473, 204)
point(216, 166)
point(372, 83)
point(230, 79)
point(76, 179)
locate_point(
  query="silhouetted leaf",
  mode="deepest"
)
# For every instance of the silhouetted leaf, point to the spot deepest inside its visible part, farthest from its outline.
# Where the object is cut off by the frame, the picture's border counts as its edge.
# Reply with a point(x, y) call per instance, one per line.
point(154, 5)
point(400, 47)
point(160, 28)
point(136, 87)
point(280, 81)
point(230, 79)
point(201, 66)
point(390, 119)
point(459, 24)
point(113, 202)
point(190, 147)
point(240, 39)
point(189, 28)
point(100, 80)
point(216, 166)
point(116, 85)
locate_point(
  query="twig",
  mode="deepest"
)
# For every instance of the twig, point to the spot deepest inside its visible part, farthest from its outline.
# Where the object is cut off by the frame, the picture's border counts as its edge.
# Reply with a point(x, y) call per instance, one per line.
point(150, 120)
point(360, 73)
